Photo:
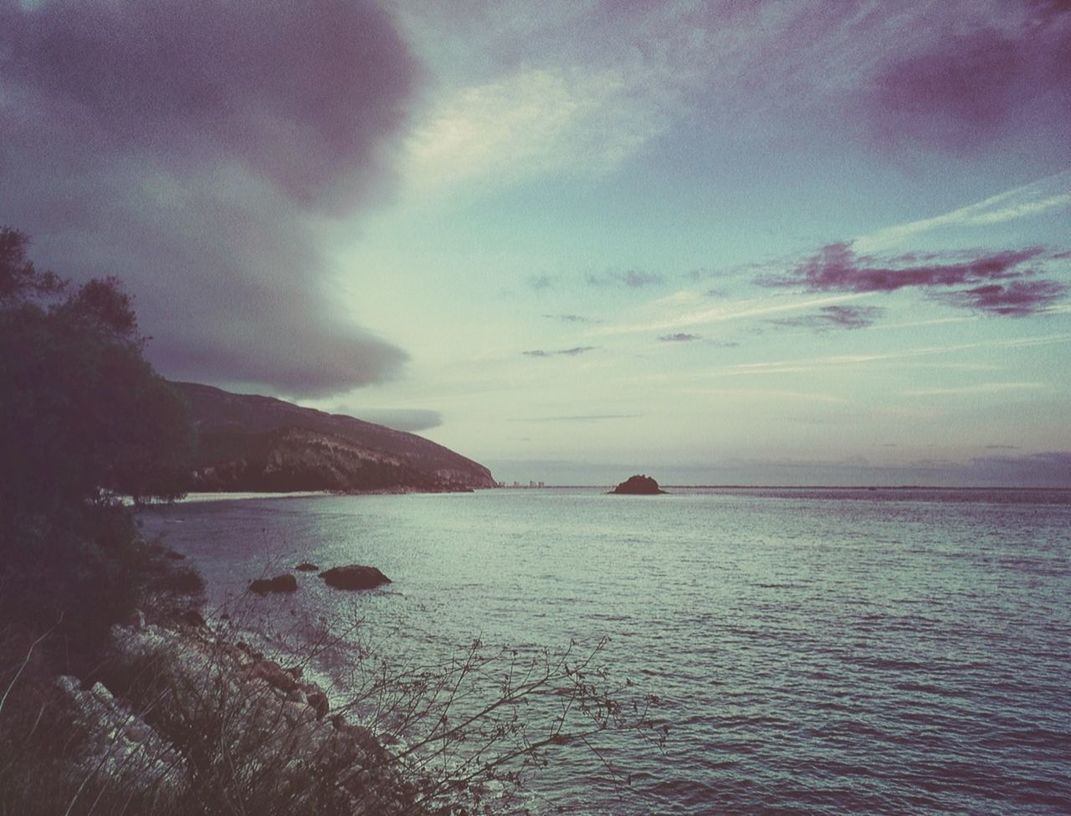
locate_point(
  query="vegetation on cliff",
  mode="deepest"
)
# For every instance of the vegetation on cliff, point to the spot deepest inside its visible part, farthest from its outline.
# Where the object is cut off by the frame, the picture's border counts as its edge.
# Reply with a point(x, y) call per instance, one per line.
point(250, 442)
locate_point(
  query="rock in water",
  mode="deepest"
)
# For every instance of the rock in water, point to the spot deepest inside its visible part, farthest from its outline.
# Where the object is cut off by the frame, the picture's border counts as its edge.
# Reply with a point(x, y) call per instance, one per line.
point(354, 576)
point(280, 583)
point(638, 486)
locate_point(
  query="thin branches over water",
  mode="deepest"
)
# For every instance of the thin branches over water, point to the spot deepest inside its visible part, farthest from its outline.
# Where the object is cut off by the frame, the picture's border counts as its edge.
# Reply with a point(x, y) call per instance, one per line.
point(223, 719)
point(473, 725)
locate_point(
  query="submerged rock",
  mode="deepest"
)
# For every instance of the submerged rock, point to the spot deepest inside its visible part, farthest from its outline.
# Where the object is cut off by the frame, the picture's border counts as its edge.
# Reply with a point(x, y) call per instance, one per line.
point(280, 583)
point(354, 576)
point(638, 486)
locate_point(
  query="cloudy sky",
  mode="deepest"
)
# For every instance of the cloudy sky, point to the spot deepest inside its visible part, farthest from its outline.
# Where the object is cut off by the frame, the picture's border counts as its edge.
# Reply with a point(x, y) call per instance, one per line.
point(718, 242)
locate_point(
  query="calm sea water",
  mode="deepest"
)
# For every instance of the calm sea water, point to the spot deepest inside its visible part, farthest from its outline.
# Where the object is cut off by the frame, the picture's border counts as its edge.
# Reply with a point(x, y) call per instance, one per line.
point(813, 651)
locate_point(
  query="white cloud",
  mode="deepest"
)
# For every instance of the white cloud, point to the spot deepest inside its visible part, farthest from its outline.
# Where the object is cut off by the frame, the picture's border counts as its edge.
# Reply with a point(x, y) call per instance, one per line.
point(973, 390)
point(531, 122)
point(1044, 195)
point(766, 394)
point(753, 307)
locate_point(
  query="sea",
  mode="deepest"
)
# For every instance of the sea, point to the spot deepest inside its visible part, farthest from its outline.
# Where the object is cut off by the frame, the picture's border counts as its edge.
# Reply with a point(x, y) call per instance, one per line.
point(756, 650)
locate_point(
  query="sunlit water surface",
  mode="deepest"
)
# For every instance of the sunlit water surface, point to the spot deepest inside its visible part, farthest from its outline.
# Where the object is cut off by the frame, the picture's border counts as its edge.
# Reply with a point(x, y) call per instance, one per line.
point(814, 651)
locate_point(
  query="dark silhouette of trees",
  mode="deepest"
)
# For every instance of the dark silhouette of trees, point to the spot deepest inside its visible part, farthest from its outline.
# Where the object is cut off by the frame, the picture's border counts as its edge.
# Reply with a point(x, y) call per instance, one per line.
point(83, 415)
point(84, 419)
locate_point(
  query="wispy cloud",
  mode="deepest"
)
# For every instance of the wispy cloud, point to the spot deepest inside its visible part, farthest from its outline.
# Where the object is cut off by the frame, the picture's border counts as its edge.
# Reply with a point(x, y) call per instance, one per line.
point(975, 389)
point(834, 317)
point(632, 278)
point(840, 360)
point(576, 418)
point(737, 310)
point(1045, 195)
point(549, 119)
point(679, 337)
point(770, 395)
point(569, 352)
point(540, 282)
point(570, 318)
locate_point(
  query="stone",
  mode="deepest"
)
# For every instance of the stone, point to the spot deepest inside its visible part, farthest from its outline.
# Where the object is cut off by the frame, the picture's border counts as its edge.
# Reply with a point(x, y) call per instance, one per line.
point(191, 617)
point(354, 576)
point(280, 583)
point(638, 486)
point(274, 675)
point(318, 702)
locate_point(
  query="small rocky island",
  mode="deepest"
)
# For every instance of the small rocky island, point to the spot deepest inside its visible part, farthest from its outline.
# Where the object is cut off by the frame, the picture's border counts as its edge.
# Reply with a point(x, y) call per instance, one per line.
point(638, 486)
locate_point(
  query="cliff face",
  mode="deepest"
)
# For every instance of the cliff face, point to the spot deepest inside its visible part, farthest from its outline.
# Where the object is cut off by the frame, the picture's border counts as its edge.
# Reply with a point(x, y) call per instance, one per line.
point(248, 442)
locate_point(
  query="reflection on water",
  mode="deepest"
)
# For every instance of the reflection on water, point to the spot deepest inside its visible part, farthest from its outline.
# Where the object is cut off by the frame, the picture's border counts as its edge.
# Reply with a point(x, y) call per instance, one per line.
point(819, 651)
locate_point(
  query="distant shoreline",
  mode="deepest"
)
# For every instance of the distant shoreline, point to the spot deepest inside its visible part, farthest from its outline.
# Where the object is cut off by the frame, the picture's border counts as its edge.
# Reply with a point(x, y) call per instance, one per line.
point(788, 487)
point(204, 497)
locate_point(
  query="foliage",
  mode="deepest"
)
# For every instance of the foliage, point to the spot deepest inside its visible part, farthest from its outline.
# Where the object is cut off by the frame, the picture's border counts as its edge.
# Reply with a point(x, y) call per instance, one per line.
point(84, 415)
point(83, 419)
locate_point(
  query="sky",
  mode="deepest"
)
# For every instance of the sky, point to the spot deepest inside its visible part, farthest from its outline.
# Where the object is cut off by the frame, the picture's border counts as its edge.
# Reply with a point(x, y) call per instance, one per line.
point(726, 242)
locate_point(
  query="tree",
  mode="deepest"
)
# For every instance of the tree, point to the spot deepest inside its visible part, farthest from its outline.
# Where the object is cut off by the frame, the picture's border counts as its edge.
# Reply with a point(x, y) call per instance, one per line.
point(83, 415)
point(83, 419)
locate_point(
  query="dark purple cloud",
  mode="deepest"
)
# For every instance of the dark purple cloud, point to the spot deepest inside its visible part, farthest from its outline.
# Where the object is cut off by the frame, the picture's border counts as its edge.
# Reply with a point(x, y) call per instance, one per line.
point(956, 96)
point(679, 337)
point(569, 352)
point(632, 278)
point(193, 148)
point(967, 88)
point(1000, 278)
point(299, 93)
point(1017, 298)
point(837, 268)
point(834, 317)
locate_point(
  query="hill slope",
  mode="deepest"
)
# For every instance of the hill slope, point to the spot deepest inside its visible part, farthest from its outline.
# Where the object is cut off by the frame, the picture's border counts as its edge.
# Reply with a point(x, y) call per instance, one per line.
point(248, 442)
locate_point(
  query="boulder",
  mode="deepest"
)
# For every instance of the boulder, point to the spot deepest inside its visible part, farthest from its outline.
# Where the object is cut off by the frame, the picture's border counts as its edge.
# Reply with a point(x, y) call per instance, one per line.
point(317, 701)
point(638, 486)
point(274, 675)
point(354, 576)
point(191, 617)
point(280, 583)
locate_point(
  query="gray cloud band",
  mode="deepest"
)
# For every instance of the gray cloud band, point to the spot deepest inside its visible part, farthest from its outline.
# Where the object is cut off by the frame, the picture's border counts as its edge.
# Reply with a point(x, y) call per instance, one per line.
point(191, 148)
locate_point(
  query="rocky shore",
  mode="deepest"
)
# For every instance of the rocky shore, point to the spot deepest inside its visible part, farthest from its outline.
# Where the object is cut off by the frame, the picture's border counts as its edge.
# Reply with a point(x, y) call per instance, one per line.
point(182, 713)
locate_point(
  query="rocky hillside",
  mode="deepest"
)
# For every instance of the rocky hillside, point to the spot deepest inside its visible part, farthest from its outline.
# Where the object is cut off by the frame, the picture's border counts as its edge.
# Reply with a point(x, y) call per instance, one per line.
point(248, 442)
